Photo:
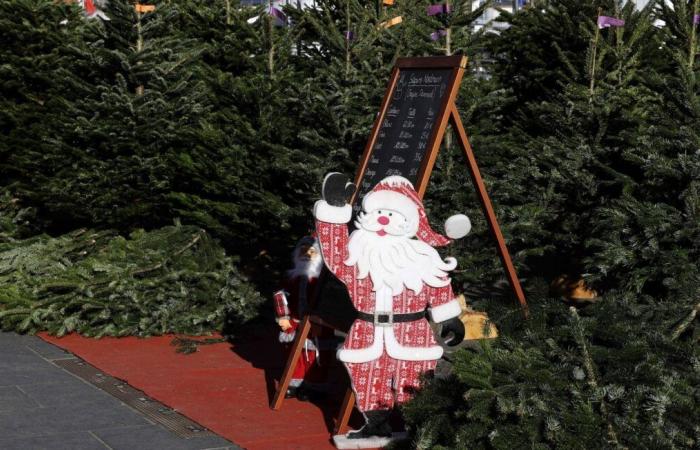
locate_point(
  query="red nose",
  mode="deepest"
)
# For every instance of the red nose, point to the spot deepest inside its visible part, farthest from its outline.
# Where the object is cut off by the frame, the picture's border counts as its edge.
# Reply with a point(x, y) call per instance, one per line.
point(384, 220)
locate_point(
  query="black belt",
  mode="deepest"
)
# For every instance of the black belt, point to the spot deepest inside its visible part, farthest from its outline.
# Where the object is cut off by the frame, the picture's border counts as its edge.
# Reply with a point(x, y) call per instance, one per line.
point(387, 318)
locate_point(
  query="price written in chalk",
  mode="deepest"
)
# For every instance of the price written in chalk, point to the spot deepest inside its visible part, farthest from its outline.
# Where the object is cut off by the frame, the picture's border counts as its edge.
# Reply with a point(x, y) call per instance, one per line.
point(406, 127)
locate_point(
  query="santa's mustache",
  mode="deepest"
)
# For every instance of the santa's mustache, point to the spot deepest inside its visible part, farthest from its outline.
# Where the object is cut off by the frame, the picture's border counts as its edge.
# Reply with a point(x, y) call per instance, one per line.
point(396, 229)
point(397, 261)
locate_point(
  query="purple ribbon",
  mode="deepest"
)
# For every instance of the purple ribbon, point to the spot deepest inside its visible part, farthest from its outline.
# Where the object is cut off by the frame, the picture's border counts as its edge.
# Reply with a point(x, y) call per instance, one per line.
point(434, 10)
point(279, 15)
point(606, 22)
point(349, 36)
point(696, 19)
point(438, 34)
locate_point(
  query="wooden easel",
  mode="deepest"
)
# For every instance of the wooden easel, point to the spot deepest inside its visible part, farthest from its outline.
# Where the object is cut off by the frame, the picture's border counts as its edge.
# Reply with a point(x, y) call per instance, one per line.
point(451, 67)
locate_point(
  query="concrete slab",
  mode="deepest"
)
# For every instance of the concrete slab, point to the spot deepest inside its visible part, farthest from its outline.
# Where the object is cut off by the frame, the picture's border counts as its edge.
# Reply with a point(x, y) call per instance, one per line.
point(41, 374)
point(62, 441)
point(46, 350)
point(22, 361)
point(43, 406)
point(12, 399)
point(69, 394)
point(85, 416)
point(152, 437)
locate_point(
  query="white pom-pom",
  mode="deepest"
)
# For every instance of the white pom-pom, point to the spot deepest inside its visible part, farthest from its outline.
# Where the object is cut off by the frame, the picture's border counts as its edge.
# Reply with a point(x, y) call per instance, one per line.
point(457, 226)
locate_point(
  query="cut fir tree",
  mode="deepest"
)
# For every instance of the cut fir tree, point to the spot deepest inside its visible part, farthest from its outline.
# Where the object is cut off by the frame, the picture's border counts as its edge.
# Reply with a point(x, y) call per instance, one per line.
point(172, 280)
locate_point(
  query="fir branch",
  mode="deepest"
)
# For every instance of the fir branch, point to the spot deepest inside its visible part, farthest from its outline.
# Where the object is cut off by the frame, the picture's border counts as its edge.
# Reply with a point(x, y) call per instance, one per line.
point(189, 245)
point(188, 345)
point(591, 373)
point(693, 36)
point(685, 323)
point(15, 312)
point(594, 46)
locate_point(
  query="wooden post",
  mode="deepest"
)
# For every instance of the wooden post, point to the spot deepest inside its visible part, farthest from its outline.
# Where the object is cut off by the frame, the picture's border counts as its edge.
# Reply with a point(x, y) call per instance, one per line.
point(302, 332)
point(594, 51)
point(448, 52)
point(139, 45)
point(344, 413)
point(270, 34)
point(693, 36)
point(347, 39)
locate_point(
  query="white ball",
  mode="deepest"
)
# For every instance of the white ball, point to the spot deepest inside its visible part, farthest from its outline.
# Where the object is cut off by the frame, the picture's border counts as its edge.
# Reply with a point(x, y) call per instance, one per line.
point(457, 226)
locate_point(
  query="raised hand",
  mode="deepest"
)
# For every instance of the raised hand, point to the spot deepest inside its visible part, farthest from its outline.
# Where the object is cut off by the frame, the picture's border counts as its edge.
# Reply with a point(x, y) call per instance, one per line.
point(337, 190)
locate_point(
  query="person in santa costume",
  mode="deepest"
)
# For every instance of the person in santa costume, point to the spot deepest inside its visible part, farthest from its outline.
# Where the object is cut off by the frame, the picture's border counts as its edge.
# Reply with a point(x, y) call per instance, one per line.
point(396, 279)
point(291, 303)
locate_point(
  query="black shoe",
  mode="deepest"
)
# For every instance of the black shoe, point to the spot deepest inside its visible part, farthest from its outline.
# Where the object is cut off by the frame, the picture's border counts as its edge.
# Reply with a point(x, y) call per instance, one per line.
point(291, 392)
point(298, 392)
point(302, 394)
point(377, 425)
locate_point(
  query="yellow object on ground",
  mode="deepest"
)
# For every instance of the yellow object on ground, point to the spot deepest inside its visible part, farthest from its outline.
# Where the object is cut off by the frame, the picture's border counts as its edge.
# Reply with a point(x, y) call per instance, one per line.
point(476, 324)
point(573, 289)
point(144, 8)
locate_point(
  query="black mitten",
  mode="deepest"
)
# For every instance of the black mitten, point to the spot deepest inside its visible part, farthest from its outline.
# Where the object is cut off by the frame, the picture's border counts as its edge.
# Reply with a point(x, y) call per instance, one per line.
point(452, 331)
point(337, 190)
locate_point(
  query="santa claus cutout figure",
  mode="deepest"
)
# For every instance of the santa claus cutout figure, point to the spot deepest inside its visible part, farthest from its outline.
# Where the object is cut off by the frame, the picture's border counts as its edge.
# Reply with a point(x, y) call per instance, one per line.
point(291, 303)
point(396, 280)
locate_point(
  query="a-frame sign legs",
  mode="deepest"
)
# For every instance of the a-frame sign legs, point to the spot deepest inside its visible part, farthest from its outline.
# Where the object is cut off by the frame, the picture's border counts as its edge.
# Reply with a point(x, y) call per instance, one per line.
point(348, 401)
point(343, 418)
point(487, 207)
point(302, 332)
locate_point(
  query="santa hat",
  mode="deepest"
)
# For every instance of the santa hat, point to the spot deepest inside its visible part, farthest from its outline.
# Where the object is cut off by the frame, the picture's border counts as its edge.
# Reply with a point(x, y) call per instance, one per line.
point(397, 193)
point(91, 9)
point(89, 6)
point(306, 241)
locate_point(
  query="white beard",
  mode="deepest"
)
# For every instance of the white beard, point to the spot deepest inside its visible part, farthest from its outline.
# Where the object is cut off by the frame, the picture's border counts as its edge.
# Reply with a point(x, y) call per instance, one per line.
point(308, 268)
point(397, 261)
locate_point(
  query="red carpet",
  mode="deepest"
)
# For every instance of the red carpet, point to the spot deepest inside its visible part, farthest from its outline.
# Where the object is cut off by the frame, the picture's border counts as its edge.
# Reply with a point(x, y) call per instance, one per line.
point(224, 387)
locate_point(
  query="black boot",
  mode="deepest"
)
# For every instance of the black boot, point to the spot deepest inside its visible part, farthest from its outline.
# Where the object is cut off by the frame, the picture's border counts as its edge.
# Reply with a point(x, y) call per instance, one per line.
point(298, 392)
point(377, 425)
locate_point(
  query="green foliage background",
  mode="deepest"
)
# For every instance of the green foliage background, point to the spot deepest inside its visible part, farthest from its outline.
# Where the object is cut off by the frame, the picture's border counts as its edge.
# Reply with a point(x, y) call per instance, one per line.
point(587, 139)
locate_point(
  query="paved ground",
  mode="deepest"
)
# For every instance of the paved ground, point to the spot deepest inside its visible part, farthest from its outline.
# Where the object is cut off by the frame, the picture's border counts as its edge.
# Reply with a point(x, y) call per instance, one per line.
point(42, 406)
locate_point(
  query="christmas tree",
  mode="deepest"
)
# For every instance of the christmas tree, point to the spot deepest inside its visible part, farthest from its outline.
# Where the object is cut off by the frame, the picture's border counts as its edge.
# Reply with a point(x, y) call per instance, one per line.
point(593, 187)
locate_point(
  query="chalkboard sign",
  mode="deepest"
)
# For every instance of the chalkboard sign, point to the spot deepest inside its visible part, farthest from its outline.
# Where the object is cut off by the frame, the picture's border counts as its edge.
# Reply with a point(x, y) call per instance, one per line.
point(407, 134)
point(408, 123)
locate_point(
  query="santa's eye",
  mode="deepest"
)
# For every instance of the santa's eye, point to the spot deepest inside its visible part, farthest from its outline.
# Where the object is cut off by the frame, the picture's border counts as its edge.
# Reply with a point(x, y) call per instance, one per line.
point(390, 214)
point(379, 211)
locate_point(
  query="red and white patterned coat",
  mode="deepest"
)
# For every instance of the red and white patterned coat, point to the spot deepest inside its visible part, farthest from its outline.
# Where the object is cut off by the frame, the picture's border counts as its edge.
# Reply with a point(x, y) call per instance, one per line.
point(407, 341)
